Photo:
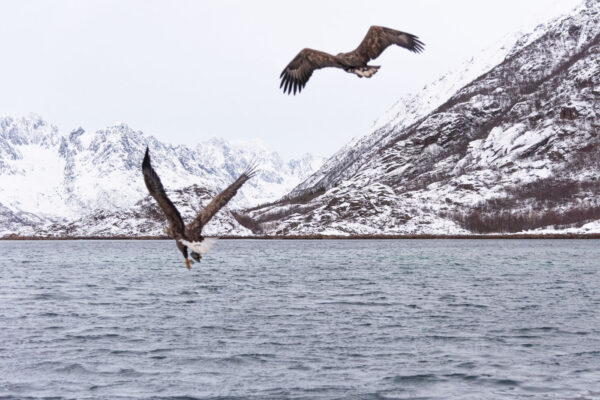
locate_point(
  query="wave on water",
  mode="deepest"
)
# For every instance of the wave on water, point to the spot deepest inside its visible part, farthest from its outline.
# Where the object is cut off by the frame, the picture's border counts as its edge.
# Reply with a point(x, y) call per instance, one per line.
point(497, 324)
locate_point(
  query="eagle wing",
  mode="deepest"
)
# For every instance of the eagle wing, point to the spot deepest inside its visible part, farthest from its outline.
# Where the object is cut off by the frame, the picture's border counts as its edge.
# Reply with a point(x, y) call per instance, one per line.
point(194, 228)
point(157, 191)
point(299, 70)
point(379, 38)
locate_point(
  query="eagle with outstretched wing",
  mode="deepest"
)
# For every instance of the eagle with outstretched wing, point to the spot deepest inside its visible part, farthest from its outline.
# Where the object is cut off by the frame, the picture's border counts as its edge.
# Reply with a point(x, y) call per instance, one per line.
point(189, 236)
point(378, 38)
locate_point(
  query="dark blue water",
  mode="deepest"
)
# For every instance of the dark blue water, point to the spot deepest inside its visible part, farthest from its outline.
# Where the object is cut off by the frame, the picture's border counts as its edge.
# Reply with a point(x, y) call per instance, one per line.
point(413, 319)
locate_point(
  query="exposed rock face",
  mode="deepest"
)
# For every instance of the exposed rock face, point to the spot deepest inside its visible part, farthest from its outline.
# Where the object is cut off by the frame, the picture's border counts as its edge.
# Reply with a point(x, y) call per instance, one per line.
point(90, 184)
point(508, 143)
point(516, 148)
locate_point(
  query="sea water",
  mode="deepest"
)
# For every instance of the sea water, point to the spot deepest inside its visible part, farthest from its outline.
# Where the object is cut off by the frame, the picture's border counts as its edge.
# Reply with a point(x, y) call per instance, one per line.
point(318, 319)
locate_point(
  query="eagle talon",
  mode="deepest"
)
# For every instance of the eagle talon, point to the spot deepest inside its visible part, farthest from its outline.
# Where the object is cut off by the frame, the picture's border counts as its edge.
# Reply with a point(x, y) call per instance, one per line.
point(189, 235)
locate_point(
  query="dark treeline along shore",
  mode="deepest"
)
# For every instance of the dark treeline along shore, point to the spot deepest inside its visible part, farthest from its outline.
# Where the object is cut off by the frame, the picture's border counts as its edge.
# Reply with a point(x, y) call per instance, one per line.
point(325, 237)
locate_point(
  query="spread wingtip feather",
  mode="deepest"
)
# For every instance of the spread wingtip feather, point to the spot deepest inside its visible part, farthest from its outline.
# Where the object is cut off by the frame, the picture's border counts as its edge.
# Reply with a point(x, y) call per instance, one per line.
point(146, 162)
point(252, 169)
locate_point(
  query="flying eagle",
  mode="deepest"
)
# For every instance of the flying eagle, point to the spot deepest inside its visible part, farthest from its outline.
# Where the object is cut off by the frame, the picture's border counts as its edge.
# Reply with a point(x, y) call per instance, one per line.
point(189, 236)
point(378, 38)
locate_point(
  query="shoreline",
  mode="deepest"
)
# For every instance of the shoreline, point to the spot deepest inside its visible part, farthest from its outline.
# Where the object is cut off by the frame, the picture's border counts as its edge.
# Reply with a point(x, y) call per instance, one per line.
point(326, 237)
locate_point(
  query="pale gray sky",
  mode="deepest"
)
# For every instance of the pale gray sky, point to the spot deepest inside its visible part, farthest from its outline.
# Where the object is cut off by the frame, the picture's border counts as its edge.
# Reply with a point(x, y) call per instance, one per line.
point(185, 71)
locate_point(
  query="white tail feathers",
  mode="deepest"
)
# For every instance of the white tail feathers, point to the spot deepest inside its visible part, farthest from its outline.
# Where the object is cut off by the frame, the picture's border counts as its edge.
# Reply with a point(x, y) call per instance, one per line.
point(201, 247)
point(365, 72)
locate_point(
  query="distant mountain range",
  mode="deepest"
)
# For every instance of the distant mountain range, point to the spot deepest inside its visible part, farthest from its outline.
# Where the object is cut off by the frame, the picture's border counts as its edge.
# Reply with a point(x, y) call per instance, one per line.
point(510, 142)
point(90, 183)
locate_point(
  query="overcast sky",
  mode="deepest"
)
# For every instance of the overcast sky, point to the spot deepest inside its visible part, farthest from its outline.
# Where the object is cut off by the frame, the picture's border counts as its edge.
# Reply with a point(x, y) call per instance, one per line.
point(185, 71)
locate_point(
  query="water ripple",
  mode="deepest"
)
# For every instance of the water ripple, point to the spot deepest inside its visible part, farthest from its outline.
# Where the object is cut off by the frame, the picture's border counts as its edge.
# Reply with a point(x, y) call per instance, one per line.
point(436, 319)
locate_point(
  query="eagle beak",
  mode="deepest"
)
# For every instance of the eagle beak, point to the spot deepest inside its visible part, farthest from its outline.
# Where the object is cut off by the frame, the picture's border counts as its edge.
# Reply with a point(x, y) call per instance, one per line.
point(187, 263)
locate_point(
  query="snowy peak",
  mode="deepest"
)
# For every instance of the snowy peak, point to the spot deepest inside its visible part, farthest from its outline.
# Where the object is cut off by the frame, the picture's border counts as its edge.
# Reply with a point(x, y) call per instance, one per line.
point(513, 149)
point(17, 139)
point(403, 114)
point(64, 178)
point(24, 131)
point(411, 109)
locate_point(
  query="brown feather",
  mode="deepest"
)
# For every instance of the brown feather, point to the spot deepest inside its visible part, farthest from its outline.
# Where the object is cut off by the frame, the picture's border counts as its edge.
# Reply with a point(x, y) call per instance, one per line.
point(194, 228)
point(379, 38)
point(300, 69)
point(297, 73)
point(157, 191)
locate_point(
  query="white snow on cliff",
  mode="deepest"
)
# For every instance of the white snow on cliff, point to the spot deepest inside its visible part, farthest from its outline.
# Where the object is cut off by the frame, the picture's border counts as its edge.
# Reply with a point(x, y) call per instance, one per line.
point(59, 177)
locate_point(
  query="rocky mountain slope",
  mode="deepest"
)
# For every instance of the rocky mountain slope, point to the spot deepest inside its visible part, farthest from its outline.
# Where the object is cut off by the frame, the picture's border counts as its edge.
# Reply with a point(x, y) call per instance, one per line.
point(509, 143)
point(90, 183)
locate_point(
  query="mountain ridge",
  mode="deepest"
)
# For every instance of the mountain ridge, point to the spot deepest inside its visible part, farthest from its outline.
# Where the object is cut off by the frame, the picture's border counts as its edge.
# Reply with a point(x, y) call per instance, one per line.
point(508, 143)
point(50, 180)
point(430, 174)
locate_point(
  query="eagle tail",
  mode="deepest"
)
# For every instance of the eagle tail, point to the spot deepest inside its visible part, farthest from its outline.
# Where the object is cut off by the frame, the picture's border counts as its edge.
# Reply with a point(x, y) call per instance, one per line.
point(366, 71)
point(201, 247)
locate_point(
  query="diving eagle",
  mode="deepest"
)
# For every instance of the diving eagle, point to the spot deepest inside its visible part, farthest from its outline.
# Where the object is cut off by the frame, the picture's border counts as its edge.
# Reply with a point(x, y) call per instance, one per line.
point(378, 38)
point(189, 236)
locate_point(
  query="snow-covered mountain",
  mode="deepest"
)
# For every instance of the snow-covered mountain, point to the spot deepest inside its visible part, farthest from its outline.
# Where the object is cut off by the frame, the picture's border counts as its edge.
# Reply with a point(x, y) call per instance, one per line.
point(509, 142)
point(89, 183)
